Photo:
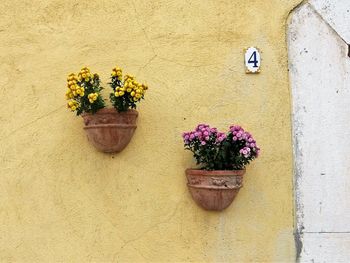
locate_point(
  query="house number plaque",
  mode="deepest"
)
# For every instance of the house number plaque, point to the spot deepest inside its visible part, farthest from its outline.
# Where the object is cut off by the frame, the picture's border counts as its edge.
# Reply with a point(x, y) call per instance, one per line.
point(252, 60)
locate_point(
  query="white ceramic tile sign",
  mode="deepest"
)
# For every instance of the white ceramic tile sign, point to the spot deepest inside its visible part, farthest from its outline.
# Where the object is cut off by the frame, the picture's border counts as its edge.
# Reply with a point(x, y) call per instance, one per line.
point(252, 60)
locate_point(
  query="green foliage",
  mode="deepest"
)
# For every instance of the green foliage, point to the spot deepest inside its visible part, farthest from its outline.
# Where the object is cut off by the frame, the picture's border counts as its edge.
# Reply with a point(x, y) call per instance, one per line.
point(84, 92)
point(124, 102)
point(91, 87)
point(125, 93)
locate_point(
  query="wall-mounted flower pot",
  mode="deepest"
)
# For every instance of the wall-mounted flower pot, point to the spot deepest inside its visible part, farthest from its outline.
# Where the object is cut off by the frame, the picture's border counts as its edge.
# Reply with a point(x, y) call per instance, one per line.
point(214, 190)
point(108, 130)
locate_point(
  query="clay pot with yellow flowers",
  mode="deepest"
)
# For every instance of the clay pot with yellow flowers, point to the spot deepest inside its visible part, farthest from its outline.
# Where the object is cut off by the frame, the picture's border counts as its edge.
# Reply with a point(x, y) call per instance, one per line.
point(108, 129)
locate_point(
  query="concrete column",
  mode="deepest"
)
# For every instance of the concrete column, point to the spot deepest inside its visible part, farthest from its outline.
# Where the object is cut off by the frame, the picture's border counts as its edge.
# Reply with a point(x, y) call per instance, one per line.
point(319, 66)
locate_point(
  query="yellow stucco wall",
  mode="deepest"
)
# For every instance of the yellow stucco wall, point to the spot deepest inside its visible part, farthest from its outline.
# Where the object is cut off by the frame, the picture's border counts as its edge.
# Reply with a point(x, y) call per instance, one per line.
point(61, 200)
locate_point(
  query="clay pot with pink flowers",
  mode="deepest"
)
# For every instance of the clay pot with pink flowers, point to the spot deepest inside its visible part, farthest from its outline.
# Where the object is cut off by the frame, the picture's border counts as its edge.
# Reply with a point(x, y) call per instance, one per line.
point(222, 158)
point(214, 190)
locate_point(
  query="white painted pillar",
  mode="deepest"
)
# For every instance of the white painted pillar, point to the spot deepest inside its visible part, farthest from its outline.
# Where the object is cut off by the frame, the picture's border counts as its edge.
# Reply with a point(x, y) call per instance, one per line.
point(320, 81)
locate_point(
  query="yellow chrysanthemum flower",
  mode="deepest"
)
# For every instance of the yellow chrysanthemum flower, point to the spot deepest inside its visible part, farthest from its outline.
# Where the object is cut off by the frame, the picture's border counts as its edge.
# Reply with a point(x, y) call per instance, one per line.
point(72, 104)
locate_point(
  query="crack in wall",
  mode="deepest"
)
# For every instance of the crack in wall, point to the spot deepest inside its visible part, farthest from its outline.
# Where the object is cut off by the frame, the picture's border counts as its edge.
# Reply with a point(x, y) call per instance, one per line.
point(11, 133)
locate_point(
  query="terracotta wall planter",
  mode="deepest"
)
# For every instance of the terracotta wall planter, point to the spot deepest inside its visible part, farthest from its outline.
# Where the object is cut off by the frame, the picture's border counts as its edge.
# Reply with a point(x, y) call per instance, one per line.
point(108, 130)
point(214, 190)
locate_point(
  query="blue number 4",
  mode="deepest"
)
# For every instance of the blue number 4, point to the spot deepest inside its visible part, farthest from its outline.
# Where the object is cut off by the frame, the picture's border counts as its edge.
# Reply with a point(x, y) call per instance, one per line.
point(253, 60)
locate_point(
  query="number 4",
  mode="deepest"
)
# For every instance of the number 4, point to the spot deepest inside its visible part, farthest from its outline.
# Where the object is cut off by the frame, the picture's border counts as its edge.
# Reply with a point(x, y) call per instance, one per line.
point(253, 60)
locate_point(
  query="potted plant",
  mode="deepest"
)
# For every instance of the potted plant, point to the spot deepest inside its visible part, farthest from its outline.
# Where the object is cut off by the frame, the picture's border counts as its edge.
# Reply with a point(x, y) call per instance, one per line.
point(222, 158)
point(108, 129)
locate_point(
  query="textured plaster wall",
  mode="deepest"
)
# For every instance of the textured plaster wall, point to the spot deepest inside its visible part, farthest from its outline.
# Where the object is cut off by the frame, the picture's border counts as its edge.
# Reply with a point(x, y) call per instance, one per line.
point(63, 201)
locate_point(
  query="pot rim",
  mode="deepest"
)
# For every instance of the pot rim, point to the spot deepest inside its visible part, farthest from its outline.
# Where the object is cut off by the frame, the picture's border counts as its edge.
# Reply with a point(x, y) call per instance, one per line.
point(199, 172)
point(111, 110)
point(120, 126)
point(213, 188)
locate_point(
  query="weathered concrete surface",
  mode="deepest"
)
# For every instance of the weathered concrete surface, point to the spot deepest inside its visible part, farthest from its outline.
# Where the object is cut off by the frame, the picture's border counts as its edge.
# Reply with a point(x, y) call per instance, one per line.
point(61, 200)
point(320, 75)
point(336, 13)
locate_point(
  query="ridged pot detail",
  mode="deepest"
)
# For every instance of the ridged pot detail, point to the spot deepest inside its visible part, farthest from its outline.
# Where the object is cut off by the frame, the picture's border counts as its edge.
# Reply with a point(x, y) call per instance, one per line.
point(214, 190)
point(109, 130)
